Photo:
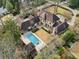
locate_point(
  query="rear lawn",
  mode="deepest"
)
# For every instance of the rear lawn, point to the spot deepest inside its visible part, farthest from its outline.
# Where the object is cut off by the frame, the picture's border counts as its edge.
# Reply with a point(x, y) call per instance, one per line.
point(61, 11)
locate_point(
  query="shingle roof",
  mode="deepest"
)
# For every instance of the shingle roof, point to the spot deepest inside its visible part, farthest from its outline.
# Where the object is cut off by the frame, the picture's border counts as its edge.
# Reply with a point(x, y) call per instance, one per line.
point(33, 19)
point(61, 27)
point(36, 19)
point(41, 14)
point(30, 17)
point(48, 16)
point(30, 48)
point(56, 24)
point(51, 17)
point(25, 25)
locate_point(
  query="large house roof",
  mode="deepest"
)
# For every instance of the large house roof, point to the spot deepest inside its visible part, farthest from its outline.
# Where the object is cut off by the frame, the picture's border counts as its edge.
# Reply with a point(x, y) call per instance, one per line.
point(30, 17)
point(51, 17)
point(30, 47)
point(25, 25)
point(48, 16)
point(30, 21)
point(61, 27)
point(2, 10)
point(41, 14)
point(36, 19)
point(33, 19)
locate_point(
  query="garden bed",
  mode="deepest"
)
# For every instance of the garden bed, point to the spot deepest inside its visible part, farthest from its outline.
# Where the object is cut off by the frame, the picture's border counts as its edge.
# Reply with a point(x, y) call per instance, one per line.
point(34, 30)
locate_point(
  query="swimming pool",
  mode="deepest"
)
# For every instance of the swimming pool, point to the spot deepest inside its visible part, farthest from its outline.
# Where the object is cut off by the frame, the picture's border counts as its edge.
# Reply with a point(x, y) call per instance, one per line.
point(32, 38)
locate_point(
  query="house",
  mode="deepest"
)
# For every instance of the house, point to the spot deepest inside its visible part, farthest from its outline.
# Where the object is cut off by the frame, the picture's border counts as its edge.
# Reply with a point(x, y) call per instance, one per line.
point(47, 18)
point(34, 19)
point(52, 22)
point(60, 28)
point(25, 26)
point(75, 50)
point(51, 17)
point(30, 48)
point(28, 23)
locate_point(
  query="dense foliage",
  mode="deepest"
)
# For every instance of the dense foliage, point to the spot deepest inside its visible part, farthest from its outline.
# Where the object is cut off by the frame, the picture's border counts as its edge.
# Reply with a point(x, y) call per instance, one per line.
point(10, 5)
point(9, 38)
point(74, 3)
point(47, 54)
point(69, 37)
point(38, 2)
point(11, 26)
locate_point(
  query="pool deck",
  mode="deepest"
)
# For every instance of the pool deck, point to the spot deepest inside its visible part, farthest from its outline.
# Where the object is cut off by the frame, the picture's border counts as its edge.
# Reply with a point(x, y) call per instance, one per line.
point(41, 45)
point(25, 40)
point(38, 47)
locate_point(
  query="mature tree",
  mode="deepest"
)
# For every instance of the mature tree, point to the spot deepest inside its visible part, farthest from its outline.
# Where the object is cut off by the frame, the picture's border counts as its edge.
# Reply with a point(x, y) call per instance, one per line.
point(39, 2)
point(74, 3)
point(0, 3)
point(11, 26)
point(4, 3)
point(69, 37)
point(9, 6)
point(48, 52)
point(13, 5)
point(7, 46)
point(17, 6)
point(41, 56)
point(9, 38)
point(60, 50)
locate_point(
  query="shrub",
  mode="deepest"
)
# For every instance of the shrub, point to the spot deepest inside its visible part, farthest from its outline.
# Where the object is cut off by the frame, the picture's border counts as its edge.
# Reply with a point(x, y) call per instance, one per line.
point(34, 30)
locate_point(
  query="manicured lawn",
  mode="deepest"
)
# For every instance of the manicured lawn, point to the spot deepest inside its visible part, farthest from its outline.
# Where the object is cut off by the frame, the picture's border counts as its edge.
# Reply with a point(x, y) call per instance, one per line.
point(45, 36)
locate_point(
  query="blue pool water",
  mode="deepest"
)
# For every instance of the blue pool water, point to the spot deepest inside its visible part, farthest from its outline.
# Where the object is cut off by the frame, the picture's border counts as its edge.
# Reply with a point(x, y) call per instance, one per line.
point(32, 38)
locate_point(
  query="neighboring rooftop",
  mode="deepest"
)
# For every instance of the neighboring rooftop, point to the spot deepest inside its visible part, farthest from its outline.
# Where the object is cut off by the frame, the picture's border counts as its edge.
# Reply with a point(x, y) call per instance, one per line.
point(2, 10)
point(61, 27)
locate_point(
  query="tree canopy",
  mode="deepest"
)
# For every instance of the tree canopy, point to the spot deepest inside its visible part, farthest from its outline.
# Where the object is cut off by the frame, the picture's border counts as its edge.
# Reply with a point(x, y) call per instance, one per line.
point(69, 37)
point(10, 5)
point(9, 38)
point(74, 3)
